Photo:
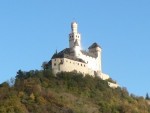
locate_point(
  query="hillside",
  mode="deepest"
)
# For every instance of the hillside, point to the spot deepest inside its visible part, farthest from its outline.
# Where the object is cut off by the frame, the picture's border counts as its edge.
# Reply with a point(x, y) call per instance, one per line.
point(42, 92)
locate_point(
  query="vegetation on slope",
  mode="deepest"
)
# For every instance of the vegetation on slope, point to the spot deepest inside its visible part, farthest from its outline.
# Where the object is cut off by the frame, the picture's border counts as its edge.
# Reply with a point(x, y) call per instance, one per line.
point(42, 92)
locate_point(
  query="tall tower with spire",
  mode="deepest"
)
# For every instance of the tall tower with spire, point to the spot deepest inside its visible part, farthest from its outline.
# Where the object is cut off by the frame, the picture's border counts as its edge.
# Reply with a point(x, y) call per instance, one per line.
point(74, 36)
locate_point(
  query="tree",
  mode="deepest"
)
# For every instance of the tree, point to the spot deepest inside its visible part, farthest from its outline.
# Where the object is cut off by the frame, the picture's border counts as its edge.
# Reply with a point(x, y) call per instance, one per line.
point(147, 97)
point(45, 65)
point(20, 75)
point(11, 82)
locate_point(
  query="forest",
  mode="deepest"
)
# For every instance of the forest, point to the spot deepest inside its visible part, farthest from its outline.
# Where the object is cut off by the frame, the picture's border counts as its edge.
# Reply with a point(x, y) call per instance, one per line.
point(40, 91)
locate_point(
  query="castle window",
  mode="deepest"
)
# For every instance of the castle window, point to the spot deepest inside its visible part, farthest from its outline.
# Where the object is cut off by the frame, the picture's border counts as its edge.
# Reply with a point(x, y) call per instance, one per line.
point(84, 65)
point(81, 64)
point(61, 61)
point(54, 64)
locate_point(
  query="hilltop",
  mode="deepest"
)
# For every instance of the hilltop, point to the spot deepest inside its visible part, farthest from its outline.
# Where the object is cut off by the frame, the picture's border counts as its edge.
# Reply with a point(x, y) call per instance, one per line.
point(42, 92)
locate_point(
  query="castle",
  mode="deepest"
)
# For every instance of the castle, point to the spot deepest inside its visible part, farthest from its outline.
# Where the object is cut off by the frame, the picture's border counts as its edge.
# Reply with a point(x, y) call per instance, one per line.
point(76, 59)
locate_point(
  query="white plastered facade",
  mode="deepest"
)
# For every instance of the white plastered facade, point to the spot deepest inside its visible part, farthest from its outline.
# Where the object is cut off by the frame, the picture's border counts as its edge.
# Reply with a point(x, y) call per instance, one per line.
point(76, 59)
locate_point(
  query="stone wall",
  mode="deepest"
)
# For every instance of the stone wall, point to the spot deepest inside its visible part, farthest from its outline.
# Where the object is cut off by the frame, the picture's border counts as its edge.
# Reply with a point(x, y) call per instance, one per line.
point(68, 65)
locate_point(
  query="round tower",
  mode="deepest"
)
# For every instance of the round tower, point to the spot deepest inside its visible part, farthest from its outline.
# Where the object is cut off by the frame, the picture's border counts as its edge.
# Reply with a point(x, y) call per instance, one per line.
point(74, 35)
point(74, 27)
point(96, 50)
point(99, 58)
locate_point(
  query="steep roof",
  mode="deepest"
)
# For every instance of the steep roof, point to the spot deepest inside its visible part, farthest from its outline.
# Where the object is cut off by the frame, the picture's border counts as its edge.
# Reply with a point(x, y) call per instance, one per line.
point(94, 45)
point(61, 53)
point(76, 43)
point(88, 54)
point(66, 53)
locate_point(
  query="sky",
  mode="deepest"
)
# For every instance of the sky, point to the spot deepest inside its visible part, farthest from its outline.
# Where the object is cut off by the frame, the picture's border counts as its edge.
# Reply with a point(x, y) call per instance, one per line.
point(32, 30)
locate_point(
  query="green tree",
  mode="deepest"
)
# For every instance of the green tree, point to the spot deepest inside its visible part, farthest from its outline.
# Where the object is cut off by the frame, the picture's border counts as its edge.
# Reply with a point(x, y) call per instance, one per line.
point(147, 96)
point(44, 65)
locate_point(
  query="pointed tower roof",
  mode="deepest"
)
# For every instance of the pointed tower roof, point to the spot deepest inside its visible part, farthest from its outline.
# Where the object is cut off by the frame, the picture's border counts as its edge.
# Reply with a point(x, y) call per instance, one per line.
point(94, 45)
point(76, 43)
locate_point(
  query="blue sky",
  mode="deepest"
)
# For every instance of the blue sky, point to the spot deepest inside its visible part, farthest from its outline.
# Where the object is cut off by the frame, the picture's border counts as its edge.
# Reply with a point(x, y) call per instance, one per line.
point(32, 30)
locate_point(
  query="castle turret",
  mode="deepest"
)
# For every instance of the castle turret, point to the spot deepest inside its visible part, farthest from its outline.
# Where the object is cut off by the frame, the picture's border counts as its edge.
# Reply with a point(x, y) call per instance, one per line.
point(74, 35)
point(74, 27)
point(96, 50)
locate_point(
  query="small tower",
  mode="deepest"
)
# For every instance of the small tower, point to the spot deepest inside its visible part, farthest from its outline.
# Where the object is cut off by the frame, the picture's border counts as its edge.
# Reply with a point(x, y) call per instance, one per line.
point(74, 35)
point(96, 50)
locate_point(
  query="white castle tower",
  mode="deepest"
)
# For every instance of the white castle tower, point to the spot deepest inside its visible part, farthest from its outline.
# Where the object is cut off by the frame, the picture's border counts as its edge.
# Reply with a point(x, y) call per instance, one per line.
point(94, 49)
point(74, 36)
